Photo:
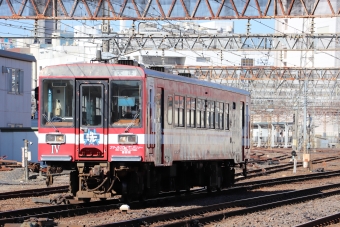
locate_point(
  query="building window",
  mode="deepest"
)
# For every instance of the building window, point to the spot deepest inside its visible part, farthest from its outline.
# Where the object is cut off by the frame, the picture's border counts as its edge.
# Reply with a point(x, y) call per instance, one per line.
point(247, 62)
point(15, 79)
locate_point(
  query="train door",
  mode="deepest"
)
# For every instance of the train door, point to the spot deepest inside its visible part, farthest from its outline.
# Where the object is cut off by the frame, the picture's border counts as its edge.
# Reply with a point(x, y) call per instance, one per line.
point(92, 119)
point(150, 118)
point(159, 123)
point(246, 130)
point(244, 127)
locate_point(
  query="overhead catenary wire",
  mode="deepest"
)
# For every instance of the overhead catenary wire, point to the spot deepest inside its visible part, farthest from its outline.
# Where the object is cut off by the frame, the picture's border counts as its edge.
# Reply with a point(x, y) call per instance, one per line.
point(266, 54)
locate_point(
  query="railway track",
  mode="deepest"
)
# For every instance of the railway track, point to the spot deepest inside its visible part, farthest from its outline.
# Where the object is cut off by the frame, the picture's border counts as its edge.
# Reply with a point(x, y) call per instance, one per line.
point(33, 192)
point(278, 168)
point(99, 206)
point(63, 189)
point(325, 221)
point(217, 212)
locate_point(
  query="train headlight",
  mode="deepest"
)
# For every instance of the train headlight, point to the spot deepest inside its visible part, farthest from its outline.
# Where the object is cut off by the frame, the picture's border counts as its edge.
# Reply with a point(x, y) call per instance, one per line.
point(127, 139)
point(55, 138)
point(60, 138)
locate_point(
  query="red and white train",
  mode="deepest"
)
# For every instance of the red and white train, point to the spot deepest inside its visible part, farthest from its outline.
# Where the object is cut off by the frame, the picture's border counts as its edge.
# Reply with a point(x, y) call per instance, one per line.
point(126, 130)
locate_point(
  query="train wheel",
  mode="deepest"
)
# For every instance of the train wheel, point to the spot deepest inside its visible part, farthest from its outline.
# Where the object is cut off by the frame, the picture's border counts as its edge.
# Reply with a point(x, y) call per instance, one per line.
point(142, 198)
point(74, 182)
point(126, 199)
point(232, 176)
point(85, 200)
point(229, 176)
point(244, 172)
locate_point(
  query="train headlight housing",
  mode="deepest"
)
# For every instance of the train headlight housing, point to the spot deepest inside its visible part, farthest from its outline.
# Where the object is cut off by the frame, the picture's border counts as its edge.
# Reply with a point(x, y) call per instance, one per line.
point(55, 138)
point(127, 139)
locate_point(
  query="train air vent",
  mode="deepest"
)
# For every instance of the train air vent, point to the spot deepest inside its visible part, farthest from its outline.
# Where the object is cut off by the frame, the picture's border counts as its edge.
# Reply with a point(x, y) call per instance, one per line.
point(185, 74)
point(128, 62)
point(157, 68)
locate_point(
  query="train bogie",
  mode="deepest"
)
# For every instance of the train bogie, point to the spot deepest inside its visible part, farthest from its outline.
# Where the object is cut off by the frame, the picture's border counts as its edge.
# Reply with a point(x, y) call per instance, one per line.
point(146, 180)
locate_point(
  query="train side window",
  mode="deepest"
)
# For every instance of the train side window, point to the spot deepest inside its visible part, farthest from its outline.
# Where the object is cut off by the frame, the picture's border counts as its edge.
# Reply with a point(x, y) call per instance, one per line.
point(191, 103)
point(210, 114)
point(188, 111)
point(207, 114)
point(219, 115)
point(216, 115)
point(179, 111)
point(226, 110)
point(198, 113)
point(170, 104)
point(203, 110)
point(193, 111)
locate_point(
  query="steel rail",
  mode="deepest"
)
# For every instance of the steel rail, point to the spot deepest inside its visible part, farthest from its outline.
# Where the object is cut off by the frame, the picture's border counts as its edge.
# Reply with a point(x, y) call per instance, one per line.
point(325, 221)
point(33, 192)
point(278, 168)
point(196, 214)
point(92, 207)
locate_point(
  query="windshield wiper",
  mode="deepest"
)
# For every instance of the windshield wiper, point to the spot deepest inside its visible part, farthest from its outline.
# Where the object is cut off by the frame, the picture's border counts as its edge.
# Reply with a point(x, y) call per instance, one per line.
point(132, 122)
point(44, 115)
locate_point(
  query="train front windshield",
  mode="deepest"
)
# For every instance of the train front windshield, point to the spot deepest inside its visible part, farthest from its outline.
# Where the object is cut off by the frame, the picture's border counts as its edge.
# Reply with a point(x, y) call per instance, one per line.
point(126, 102)
point(57, 102)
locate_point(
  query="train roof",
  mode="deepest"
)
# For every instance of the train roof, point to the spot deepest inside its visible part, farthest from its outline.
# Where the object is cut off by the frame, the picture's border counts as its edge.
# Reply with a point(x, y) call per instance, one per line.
point(168, 76)
point(99, 69)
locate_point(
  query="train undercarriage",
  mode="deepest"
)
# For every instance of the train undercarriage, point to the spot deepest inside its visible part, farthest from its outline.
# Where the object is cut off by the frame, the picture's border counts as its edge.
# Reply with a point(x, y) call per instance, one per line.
point(144, 180)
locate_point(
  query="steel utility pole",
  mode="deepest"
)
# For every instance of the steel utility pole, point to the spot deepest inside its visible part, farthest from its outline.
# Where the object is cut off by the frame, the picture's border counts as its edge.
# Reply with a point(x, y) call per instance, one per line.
point(26, 158)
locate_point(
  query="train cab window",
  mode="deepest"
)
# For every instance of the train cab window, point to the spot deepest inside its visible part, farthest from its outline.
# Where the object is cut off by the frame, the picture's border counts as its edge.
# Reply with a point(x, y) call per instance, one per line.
point(126, 100)
point(57, 103)
point(210, 114)
point(191, 110)
point(226, 111)
point(170, 104)
point(179, 111)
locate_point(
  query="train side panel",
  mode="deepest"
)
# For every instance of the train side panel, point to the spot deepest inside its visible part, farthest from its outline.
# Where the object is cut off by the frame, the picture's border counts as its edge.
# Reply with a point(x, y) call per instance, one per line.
point(188, 142)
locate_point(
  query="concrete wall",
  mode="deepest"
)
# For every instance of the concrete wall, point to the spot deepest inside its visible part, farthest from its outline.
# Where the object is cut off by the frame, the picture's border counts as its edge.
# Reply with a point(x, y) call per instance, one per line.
point(11, 142)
